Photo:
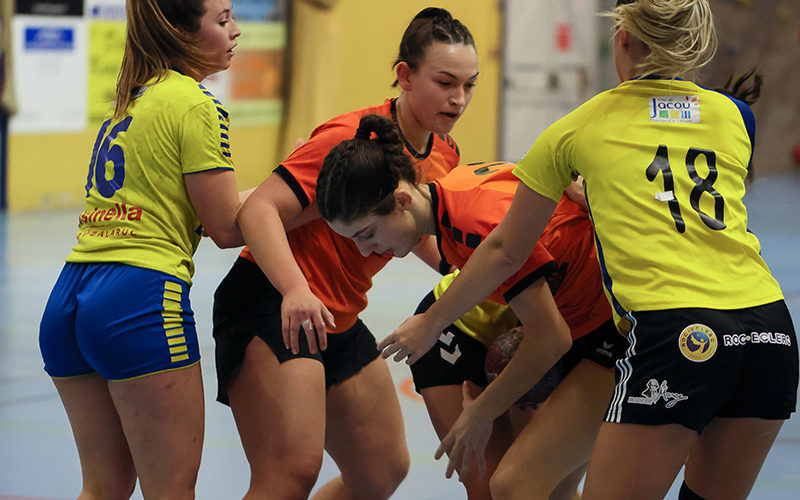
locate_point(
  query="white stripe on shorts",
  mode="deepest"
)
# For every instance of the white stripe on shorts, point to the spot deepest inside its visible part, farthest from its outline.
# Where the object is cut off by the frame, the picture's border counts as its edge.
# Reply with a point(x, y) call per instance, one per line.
point(614, 414)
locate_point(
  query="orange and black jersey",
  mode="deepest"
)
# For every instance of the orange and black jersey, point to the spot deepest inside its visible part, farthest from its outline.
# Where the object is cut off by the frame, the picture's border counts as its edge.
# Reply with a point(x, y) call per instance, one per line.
point(472, 200)
point(577, 284)
point(336, 271)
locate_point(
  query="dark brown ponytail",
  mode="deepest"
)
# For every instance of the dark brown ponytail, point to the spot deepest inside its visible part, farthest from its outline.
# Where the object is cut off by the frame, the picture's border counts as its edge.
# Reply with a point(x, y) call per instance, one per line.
point(359, 175)
point(428, 26)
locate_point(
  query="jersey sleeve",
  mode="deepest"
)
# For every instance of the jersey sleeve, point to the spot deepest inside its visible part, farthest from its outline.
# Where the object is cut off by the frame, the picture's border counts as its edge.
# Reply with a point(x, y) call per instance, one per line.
point(546, 167)
point(539, 264)
point(468, 216)
point(301, 168)
point(203, 138)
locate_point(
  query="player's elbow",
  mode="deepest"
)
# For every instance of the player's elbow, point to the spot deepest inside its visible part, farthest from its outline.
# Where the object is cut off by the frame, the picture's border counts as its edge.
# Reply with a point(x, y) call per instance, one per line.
point(229, 237)
point(506, 260)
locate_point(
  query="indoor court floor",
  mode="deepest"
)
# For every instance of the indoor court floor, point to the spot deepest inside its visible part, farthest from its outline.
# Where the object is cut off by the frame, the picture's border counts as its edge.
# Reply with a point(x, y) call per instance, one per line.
point(37, 453)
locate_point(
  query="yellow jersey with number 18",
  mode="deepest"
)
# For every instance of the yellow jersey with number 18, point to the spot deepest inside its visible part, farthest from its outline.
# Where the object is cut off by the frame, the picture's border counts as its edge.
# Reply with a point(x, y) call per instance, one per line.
point(664, 163)
point(137, 210)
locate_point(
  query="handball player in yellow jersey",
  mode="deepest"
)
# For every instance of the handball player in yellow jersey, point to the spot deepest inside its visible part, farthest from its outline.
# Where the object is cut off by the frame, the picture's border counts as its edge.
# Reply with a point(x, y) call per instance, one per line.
point(711, 370)
point(118, 335)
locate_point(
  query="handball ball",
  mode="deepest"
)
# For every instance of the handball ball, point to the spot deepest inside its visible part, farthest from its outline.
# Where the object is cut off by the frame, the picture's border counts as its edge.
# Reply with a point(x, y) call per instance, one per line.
point(499, 354)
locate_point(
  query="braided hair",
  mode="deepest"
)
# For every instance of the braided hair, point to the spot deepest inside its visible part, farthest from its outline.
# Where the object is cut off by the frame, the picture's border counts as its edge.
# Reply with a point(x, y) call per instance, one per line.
point(359, 175)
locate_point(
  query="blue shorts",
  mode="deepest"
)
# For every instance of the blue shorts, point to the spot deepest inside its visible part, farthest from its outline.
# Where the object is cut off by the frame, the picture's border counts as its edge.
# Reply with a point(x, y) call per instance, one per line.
point(117, 320)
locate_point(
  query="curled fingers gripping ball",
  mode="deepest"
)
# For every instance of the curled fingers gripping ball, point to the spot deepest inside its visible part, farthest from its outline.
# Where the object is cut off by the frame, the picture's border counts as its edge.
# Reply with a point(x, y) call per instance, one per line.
point(499, 354)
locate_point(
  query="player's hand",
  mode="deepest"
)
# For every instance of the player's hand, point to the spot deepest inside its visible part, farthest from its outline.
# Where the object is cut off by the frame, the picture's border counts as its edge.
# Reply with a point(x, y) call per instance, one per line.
point(302, 310)
point(410, 341)
point(467, 439)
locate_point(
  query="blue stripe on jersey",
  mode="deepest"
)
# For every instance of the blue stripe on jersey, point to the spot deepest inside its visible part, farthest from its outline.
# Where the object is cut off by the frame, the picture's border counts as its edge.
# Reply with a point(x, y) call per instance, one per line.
point(223, 126)
point(604, 271)
point(749, 122)
point(748, 118)
point(222, 112)
point(226, 154)
point(224, 136)
point(224, 145)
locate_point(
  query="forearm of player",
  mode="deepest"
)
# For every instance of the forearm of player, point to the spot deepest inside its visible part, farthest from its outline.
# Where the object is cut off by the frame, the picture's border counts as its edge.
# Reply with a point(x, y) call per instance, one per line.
point(546, 340)
point(261, 220)
point(214, 197)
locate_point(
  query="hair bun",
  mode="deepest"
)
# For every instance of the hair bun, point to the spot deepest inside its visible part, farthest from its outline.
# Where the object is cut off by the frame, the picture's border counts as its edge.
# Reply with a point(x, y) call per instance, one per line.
point(363, 132)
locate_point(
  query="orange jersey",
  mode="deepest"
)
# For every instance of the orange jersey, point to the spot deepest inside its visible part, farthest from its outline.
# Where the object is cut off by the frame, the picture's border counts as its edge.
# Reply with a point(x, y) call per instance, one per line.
point(578, 285)
point(336, 271)
point(473, 199)
point(470, 202)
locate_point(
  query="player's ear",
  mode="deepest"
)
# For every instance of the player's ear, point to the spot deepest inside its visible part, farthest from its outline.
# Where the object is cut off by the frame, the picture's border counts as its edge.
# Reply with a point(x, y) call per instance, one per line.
point(403, 72)
point(403, 199)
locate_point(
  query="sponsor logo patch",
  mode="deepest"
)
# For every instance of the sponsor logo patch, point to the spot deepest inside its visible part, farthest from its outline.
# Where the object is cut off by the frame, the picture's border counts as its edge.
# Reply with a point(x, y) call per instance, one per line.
point(697, 343)
point(655, 392)
point(756, 338)
point(675, 109)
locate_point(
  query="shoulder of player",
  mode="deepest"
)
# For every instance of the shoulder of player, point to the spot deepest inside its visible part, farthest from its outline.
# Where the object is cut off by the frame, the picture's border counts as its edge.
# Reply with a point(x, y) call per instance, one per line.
point(344, 126)
point(473, 207)
point(178, 94)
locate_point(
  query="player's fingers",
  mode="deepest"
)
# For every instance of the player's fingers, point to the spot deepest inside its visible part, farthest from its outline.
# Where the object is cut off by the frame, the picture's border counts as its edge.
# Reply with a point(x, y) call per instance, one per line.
point(466, 460)
point(389, 349)
point(466, 394)
point(481, 464)
point(400, 356)
point(452, 465)
point(441, 450)
point(285, 330)
point(311, 336)
point(294, 334)
point(319, 326)
point(328, 317)
point(383, 344)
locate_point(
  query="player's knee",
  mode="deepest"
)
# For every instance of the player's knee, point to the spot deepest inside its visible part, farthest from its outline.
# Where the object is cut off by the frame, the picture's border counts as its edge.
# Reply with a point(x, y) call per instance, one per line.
point(293, 475)
point(303, 475)
point(379, 478)
point(501, 483)
point(508, 482)
point(119, 488)
point(398, 469)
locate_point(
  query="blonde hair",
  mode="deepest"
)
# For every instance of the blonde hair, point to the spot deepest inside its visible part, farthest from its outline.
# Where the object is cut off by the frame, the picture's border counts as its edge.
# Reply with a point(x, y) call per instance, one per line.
point(679, 34)
point(160, 34)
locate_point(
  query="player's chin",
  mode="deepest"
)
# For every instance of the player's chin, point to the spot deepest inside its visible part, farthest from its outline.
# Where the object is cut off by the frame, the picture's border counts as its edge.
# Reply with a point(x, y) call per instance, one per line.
point(445, 123)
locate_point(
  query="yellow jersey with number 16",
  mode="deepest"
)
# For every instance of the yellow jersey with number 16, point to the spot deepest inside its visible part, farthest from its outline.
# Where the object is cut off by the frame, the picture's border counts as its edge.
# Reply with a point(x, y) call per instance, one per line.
point(137, 210)
point(664, 163)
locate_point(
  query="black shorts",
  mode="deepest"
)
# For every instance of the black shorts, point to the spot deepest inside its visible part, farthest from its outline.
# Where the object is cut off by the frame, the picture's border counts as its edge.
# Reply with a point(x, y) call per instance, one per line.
point(458, 357)
point(247, 305)
point(688, 366)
